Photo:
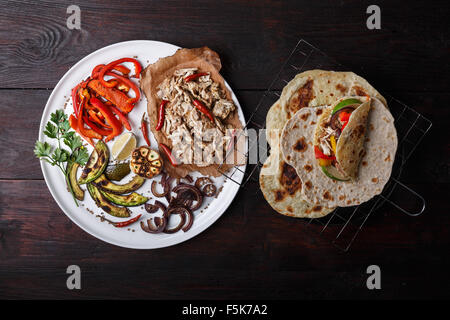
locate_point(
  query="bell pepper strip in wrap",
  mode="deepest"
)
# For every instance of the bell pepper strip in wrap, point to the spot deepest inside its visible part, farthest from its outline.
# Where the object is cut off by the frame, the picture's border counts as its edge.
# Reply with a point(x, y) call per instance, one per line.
point(344, 116)
point(115, 96)
point(202, 108)
point(74, 125)
point(195, 76)
point(169, 154)
point(325, 162)
point(162, 114)
point(115, 124)
point(333, 143)
point(320, 155)
point(144, 129)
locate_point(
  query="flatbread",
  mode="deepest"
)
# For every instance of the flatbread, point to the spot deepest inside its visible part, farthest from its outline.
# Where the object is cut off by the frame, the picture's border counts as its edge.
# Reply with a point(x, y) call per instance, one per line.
point(375, 168)
point(280, 184)
point(206, 60)
point(313, 88)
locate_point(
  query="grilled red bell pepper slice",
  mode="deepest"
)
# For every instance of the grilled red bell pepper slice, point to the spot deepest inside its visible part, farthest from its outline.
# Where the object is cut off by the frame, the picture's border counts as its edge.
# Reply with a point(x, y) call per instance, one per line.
point(195, 76)
point(75, 98)
point(122, 117)
point(203, 109)
point(122, 69)
point(109, 66)
point(115, 96)
point(96, 70)
point(320, 155)
point(115, 124)
point(128, 83)
point(162, 114)
point(169, 154)
point(94, 116)
point(85, 132)
point(93, 126)
point(73, 121)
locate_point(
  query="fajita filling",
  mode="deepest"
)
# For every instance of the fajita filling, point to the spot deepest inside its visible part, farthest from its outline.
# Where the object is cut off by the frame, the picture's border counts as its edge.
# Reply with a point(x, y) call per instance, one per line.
point(193, 113)
point(325, 151)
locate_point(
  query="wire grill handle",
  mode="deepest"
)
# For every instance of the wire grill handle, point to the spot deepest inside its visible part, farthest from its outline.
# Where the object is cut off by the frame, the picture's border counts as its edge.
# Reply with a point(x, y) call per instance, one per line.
point(412, 214)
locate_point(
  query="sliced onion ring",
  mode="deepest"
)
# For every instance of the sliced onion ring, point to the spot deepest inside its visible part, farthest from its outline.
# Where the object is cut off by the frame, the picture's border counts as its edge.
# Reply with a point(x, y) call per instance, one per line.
point(190, 221)
point(160, 225)
point(176, 210)
point(152, 208)
point(182, 188)
point(156, 193)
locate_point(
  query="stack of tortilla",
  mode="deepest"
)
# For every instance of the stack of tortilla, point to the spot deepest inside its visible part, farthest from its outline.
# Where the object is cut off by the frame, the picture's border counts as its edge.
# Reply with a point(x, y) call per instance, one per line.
point(290, 179)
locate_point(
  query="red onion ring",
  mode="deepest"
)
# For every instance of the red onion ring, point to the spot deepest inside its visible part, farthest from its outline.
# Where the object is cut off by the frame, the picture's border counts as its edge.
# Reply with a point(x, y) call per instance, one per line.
point(160, 225)
point(182, 188)
point(156, 193)
point(190, 220)
point(152, 208)
point(182, 216)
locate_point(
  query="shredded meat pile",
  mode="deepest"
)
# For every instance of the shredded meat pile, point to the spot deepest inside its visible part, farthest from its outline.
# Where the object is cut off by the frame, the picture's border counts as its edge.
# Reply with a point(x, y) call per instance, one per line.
point(195, 138)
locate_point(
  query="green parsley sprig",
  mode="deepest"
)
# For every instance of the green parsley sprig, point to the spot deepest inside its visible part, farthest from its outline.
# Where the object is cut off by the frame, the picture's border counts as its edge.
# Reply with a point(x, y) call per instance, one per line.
point(59, 128)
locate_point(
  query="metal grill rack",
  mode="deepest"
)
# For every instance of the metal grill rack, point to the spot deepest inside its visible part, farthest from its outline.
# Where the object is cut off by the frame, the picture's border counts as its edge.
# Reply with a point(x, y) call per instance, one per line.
point(344, 224)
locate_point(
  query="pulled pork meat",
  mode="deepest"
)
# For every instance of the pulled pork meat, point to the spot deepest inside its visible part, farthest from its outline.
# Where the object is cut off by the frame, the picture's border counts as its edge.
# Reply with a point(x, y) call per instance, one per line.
point(195, 138)
point(324, 140)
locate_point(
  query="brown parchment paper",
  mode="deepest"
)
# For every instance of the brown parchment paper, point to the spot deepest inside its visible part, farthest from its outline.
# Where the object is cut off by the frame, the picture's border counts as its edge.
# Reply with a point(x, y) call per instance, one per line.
point(206, 60)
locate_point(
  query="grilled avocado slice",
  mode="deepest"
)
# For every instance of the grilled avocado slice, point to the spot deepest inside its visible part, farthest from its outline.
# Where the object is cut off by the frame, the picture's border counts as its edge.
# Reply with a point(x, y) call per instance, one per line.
point(104, 184)
point(105, 205)
point(72, 168)
point(98, 160)
point(130, 200)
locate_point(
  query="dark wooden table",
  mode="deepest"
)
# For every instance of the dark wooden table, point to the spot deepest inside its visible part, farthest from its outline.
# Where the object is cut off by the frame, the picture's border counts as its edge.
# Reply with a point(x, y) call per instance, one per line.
point(250, 252)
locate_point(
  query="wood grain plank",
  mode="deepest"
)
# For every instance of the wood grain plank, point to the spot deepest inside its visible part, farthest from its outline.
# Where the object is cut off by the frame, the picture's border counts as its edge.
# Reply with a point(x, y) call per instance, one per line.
point(250, 252)
point(279, 254)
point(253, 38)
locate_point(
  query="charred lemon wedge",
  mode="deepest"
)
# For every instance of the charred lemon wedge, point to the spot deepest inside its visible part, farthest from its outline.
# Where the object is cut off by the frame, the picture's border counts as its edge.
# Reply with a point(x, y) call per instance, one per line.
point(146, 162)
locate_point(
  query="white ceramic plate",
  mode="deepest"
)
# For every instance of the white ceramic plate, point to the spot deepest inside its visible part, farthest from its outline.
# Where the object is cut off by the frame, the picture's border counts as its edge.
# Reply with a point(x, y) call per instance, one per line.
point(132, 236)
